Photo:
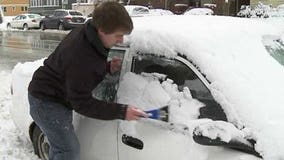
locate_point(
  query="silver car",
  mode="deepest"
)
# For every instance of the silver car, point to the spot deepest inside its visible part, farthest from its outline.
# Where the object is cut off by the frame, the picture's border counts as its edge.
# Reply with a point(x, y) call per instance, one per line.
point(25, 21)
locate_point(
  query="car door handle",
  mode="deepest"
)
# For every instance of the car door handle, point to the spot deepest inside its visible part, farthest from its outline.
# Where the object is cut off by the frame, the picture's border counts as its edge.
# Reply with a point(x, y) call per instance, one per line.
point(132, 142)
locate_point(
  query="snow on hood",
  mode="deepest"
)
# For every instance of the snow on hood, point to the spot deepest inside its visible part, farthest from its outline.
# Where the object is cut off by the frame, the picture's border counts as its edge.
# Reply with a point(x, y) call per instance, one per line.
point(244, 78)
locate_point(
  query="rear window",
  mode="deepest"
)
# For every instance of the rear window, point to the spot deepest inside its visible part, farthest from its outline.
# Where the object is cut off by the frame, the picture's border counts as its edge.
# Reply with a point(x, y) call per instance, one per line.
point(33, 16)
point(74, 13)
point(140, 10)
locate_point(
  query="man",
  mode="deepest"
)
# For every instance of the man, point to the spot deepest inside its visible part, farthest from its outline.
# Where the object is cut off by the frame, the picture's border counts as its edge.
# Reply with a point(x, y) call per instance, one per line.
point(68, 76)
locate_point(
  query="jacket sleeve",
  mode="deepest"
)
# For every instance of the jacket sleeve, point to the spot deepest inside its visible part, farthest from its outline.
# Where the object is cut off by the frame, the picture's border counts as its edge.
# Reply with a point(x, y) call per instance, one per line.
point(81, 79)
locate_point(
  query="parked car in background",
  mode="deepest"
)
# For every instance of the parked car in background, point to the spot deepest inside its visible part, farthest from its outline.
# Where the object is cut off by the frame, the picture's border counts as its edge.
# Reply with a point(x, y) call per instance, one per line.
point(25, 21)
point(63, 19)
point(160, 12)
point(199, 11)
point(215, 92)
point(137, 10)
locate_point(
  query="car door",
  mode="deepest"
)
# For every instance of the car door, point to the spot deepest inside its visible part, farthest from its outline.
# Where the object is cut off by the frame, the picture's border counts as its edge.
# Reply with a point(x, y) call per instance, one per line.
point(23, 20)
point(98, 138)
point(55, 19)
point(52, 21)
point(155, 139)
point(15, 22)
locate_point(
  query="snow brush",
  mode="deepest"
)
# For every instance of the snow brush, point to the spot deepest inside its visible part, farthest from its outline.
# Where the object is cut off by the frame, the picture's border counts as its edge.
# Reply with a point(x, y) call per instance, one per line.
point(159, 114)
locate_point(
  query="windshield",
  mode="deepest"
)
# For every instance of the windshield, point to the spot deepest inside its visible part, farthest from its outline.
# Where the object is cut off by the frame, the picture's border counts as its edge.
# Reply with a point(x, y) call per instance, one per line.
point(34, 16)
point(275, 46)
point(140, 10)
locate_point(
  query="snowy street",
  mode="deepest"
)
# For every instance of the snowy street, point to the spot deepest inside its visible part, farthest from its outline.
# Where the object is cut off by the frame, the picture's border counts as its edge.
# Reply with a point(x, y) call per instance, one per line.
point(13, 145)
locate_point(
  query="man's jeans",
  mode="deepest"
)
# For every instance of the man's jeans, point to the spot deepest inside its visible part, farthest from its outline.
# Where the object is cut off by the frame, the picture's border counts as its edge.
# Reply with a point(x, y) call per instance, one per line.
point(55, 120)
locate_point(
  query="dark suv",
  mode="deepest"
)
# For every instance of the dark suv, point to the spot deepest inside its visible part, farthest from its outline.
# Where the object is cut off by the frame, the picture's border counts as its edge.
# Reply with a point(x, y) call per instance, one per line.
point(63, 20)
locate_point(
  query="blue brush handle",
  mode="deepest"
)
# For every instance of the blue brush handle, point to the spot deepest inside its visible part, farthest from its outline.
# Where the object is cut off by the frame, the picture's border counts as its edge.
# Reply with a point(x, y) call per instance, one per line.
point(153, 114)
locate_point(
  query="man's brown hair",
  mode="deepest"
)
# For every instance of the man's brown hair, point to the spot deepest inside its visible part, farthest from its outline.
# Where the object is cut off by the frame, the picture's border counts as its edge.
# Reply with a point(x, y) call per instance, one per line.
point(112, 16)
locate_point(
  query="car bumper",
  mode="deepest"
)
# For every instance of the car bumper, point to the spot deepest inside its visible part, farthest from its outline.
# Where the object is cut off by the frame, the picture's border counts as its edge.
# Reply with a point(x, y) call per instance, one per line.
point(33, 25)
point(70, 25)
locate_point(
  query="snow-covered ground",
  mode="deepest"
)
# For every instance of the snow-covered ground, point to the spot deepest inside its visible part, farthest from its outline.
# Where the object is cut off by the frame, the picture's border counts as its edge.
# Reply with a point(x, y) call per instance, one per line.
point(13, 145)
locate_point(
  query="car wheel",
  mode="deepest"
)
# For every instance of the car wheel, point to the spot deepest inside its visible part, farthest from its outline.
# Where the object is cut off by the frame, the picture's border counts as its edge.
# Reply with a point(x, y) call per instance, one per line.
point(42, 26)
point(40, 143)
point(9, 26)
point(25, 27)
point(61, 27)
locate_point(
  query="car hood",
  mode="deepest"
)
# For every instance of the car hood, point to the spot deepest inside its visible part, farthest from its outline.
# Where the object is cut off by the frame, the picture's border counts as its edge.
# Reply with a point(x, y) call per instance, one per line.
point(244, 78)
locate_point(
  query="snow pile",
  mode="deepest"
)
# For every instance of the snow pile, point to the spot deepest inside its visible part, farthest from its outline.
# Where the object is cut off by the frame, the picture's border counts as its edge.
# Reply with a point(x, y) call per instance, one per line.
point(260, 11)
point(14, 145)
point(147, 93)
point(219, 129)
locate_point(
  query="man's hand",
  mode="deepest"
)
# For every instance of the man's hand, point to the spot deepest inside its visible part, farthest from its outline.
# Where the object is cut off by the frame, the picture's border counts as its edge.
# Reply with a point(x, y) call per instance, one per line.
point(115, 65)
point(133, 113)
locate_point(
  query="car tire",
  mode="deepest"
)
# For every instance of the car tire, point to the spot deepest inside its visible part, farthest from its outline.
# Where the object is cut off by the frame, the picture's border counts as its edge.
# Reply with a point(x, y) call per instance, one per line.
point(9, 27)
point(40, 143)
point(25, 27)
point(61, 27)
point(42, 26)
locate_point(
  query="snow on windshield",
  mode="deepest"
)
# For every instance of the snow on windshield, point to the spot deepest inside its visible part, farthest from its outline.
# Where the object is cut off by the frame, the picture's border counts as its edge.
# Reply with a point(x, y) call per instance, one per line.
point(146, 92)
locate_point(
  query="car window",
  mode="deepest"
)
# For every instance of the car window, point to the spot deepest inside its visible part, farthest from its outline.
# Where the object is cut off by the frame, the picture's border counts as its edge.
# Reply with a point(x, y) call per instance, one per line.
point(24, 17)
point(33, 16)
point(183, 76)
point(56, 13)
point(17, 18)
point(60, 13)
point(276, 49)
point(140, 10)
point(74, 13)
point(107, 89)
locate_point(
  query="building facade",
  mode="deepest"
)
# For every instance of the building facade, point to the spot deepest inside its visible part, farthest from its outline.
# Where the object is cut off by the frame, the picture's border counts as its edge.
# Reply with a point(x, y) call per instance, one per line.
point(46, 7)
point(14, 7)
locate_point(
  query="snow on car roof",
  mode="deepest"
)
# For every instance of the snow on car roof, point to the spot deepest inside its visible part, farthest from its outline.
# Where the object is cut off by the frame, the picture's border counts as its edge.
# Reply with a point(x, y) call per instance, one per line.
point(199, 11)
point(244, 78)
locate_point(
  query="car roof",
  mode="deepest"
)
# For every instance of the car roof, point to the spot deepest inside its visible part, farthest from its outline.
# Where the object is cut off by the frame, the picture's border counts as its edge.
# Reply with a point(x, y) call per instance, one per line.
point(132, 10)
point(134, 6)
point(28, 14)
point(68, 10)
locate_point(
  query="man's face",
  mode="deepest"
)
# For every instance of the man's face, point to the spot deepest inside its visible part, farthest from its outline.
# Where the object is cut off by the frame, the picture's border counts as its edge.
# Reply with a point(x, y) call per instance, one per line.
point(109, 40)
